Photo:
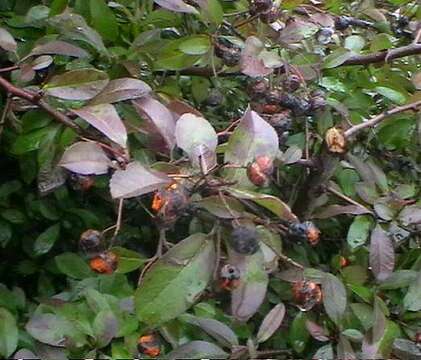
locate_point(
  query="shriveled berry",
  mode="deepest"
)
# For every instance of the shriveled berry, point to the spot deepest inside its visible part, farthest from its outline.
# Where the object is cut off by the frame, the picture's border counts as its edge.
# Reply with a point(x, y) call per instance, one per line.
point(342, 22)
point(305, 231)
point(104, 263)
point(257, 87)
point(292, 83)
point(324, 35)
point(244, 240)
point(229, 52)
point(307, 294)
point(260, 170)
point(335, 140)
point(260, 6)
point(215, 98)
point(81, 182)
point(149, 345)
point(270, 16)
point(90, 242)
point(170, 203)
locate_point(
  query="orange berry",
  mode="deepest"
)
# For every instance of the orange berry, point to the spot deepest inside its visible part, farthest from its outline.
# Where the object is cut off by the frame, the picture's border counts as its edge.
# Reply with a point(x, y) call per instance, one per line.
point(149, 345)
point(306, 294)
point(105, 263)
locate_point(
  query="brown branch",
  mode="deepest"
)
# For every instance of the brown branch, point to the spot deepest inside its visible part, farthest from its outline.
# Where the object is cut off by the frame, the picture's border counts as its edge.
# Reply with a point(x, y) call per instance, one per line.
point(384, 56)
point(379, 118)
point(36, 100)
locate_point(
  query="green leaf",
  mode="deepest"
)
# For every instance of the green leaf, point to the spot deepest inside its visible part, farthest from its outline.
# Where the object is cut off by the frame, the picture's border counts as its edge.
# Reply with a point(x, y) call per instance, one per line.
point(195, 45)
point(334, 297)
point(81, 84)
point(336, 58)
point(32, 141)
point(354, 43)
point(175, 281)
point(298, 335)
point(218, 330)
point(8, 333)
point(272, 203)
point(358, 231)
point(412, 299)
point(46, 240)
point(128, 260)
point(72, 265)
point(391, 94)
point(5, 233)
point(380, 42)
point(396, 134)
point(214, 11)
point(103, 19)
point(105, 327)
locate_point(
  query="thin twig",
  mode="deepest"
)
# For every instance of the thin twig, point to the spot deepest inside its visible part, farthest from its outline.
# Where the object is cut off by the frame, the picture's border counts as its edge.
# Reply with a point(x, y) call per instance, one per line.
point(288, 260)
point(8, 69)
point(224, 201)
point(5, 112)
point(218, 252)
point(379, 118)
point(246, 21)
point(346, 198)
point(36, 100)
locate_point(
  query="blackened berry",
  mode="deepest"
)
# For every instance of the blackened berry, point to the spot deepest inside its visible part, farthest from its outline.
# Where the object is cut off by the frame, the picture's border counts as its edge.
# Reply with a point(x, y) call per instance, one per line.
point(243, 240)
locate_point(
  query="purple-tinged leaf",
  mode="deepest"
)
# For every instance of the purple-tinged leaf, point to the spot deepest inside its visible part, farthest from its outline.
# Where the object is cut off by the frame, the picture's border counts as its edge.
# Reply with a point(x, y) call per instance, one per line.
point(136, 180)
point(250, 294)
point(58, 47)
point(253, 137)
point(85, 158)
point(48, 328)
point(105, 118)
point(82, 84)
point(334, 210)
point(271, 323)
point(121, 90)
point(296, 31)
point(177, 6)
point(197, 350)
point(105, 328)
point(159, 118)
point(178, 108)
point(7, 42)
point(334, 297)
point(382, 254)
point(345, 350)
point(410, 215)
point(218, 330)
point(41, 62)
point(316, 331)
point(406, 349)
point(196, 136)
point(251, 63)
point(25, 354)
